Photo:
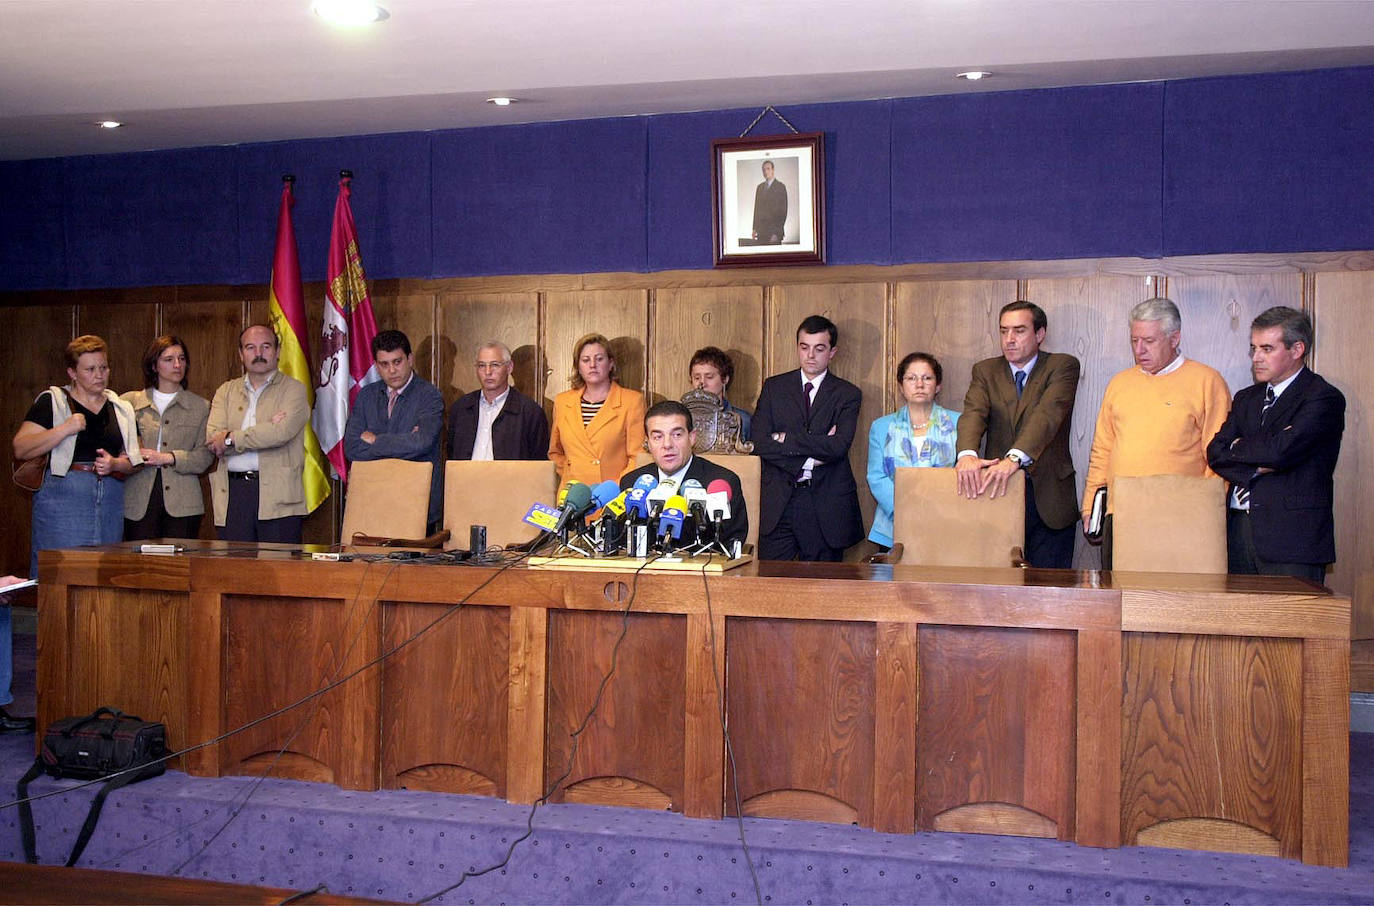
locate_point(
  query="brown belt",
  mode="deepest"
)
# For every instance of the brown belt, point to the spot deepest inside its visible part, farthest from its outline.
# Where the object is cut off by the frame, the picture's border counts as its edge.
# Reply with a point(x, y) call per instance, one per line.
point(90, 467)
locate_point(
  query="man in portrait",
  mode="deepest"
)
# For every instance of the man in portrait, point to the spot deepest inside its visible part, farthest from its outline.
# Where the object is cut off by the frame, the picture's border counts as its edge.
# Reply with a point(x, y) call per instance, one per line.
point(770, 208)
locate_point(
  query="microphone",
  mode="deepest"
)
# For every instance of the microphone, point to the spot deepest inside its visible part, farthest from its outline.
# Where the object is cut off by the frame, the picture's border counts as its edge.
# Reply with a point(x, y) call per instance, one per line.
point(577, 503)
point(637, 509)
point(659, 495)
point(604, 493)
point(647, 482)
point(695, 495)
point(670, 520)
point(718, 496)
point(610, 535)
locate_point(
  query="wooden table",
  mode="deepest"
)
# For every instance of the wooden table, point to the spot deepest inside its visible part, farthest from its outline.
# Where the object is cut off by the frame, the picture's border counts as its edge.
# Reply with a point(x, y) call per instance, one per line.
point(1206, 712)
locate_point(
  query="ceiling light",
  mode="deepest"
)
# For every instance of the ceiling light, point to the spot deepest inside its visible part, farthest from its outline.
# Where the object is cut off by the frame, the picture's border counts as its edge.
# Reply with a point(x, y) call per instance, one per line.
point(502, 101)
point(108, 124)
point(348, 12)
point(972, 75)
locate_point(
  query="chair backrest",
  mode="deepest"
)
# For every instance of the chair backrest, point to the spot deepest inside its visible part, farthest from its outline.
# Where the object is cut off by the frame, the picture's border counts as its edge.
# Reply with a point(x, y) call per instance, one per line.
point(496, 494)
point(387, 498)
point(750, 472)
point(1169, 523)
point(937, 527)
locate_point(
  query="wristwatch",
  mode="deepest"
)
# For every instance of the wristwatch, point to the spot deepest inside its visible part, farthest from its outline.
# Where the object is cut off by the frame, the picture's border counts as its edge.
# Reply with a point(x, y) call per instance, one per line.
point(228, 440)
point(1017, 458)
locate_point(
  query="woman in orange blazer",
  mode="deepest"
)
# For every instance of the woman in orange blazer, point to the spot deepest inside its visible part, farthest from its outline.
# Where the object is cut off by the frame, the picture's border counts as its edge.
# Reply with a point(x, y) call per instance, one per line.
point(598, 426)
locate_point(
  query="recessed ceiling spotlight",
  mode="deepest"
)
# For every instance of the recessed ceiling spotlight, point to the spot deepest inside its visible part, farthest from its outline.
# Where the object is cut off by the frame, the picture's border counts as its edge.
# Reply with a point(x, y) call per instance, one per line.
point(502, 101)
point(973, 75)
point(348, 12)
point(108, 124)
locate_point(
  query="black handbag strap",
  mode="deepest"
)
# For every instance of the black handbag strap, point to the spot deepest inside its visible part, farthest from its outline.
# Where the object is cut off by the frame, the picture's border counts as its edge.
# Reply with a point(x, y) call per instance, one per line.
point(88, 828)
point(97, 714)
point(21, 792)
point(92, 817)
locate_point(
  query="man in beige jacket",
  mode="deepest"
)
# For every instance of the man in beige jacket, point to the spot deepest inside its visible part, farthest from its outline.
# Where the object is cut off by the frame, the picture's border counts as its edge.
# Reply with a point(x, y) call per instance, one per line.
point(257, 431)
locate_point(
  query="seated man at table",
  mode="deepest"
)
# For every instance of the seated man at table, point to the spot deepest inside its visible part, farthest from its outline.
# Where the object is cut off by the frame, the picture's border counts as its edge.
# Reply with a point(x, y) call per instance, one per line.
point(669, 433)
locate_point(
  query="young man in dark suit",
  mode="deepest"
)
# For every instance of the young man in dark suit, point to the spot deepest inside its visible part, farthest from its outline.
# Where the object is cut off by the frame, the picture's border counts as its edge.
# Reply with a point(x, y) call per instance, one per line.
point(1278, 449)
point(670, 435)
point(399, 417)
point(803, 426)
point(1022, 401)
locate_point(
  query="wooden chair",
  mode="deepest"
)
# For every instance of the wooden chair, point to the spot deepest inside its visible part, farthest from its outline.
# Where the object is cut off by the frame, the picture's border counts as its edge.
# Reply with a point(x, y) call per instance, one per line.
point(934, 526)
point(495, 494)
point(387, 499)
point(750, 472)
point(1168, 523)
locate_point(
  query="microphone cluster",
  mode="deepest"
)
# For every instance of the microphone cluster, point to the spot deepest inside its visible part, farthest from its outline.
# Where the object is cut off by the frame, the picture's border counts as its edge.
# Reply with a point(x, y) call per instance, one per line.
point(651, 518)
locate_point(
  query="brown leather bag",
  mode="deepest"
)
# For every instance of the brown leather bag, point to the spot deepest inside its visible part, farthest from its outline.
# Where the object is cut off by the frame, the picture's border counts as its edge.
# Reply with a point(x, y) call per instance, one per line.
point(28, 473)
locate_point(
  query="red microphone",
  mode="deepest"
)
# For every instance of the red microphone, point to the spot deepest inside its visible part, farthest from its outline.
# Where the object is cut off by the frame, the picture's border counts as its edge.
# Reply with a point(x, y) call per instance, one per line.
point(718, 496)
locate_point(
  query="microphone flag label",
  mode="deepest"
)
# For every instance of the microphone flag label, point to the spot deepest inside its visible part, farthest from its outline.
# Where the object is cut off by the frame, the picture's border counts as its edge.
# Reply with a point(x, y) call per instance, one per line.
point(542, 517)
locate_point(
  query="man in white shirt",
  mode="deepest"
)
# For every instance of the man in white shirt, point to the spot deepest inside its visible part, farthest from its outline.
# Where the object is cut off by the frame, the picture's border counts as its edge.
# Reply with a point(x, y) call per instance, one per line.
point(496, 421)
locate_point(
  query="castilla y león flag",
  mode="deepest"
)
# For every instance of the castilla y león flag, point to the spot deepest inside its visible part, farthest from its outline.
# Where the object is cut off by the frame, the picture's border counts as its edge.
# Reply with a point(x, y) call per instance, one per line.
point(349, 326)
point(286, 311)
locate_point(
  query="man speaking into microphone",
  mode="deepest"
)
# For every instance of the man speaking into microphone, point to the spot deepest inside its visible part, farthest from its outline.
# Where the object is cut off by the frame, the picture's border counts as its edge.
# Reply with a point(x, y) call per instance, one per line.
point(670, 436)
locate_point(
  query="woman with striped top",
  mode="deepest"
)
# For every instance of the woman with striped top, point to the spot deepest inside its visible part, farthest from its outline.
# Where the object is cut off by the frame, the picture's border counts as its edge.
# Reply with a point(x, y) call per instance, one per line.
point(598, 426)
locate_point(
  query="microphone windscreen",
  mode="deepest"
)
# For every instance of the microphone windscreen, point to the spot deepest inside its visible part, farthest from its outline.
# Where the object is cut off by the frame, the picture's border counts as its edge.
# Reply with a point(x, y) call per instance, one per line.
point(605, 492)
point(691, 484)
point(647, 482)
point(718, 504)
point(676, 502)
point(563, 492)
point(579, 496)
point(720, 486)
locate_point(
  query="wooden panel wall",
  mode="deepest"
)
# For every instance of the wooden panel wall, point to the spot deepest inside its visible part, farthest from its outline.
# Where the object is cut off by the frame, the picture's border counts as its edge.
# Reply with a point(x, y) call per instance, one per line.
point(1341, 301)
point(655, 322)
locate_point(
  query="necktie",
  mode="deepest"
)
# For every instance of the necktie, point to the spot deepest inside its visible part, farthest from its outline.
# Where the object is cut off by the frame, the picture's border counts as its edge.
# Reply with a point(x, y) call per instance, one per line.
point(1020, 382)
point(808, 390)
point(1268, 401)
point(1242, 492)
point(391, 397)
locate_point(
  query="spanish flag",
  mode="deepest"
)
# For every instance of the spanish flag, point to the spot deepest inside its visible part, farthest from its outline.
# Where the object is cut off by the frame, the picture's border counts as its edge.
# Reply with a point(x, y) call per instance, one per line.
point(286, 310)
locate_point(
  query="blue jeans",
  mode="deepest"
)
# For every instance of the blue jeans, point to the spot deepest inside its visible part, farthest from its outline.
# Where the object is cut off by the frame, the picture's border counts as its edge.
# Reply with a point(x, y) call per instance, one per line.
point(76, 509)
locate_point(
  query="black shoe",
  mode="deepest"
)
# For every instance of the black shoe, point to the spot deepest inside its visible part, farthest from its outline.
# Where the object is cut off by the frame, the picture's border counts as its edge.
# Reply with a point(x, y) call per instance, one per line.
point(10, 724)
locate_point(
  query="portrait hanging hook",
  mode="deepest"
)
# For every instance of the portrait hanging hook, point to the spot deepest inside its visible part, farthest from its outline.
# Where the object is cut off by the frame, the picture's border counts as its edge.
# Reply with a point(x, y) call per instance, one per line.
point(764, 112)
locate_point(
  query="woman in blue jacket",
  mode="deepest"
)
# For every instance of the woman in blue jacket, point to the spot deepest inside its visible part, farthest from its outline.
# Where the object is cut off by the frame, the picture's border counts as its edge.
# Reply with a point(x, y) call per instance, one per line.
point(920, 433)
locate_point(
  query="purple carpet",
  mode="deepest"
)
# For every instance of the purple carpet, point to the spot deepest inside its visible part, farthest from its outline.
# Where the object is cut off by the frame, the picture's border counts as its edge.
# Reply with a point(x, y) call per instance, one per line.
point(401, 845)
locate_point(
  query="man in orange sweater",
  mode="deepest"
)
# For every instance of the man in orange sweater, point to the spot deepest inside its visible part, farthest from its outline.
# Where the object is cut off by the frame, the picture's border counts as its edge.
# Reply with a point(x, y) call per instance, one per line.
point(1157, 417)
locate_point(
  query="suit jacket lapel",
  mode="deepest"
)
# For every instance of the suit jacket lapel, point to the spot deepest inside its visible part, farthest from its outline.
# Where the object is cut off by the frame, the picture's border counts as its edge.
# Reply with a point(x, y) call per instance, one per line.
point(1288, 401)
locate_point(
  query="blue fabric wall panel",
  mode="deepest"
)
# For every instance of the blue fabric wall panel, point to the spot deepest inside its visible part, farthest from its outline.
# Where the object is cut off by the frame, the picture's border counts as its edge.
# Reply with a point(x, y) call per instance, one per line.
point(1273, 163)
point(857, 186)
point(542, 198)
point(32, 246)
point(391, 202)
point(151, 219)
point(1063, 173)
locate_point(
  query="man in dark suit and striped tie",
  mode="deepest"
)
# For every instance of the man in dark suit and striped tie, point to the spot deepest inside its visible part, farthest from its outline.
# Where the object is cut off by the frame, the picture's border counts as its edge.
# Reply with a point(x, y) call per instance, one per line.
point(803, 426)
point(1278, 449)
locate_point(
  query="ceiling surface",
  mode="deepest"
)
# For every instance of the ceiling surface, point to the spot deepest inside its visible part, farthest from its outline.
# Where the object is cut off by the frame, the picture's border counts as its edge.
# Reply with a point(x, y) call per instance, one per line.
point(209, 72)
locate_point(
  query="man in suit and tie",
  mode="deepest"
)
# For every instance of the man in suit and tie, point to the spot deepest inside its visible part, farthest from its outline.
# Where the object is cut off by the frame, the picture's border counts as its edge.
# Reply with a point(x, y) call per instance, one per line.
point(770, 208)
point(399, 417)
point(669, 432)
point(803, 426)
point(1278, 449)
point(1022, 401)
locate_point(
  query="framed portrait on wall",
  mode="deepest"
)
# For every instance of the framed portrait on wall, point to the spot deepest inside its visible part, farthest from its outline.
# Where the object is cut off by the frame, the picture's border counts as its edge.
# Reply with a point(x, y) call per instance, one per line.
point(769, 199)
